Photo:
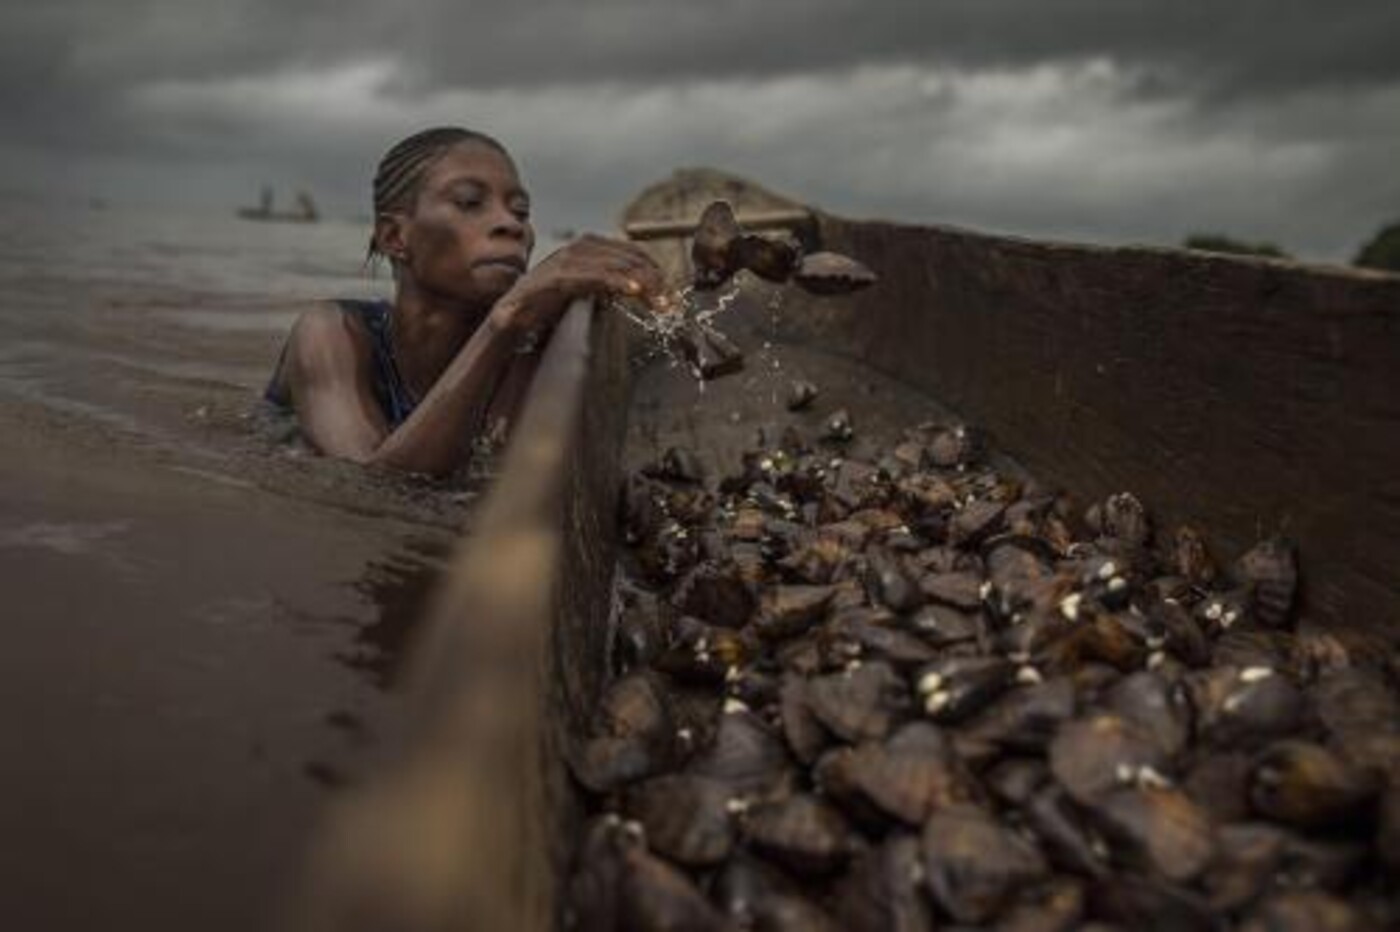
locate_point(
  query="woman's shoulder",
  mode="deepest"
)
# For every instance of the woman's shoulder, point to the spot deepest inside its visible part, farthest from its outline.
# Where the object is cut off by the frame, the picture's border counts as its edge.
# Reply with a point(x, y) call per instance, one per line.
point(327, 335)
point(338, 320)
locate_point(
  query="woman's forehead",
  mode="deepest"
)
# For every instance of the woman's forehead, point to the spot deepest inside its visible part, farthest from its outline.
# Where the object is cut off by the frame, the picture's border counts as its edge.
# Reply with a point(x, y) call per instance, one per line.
point(474, 161)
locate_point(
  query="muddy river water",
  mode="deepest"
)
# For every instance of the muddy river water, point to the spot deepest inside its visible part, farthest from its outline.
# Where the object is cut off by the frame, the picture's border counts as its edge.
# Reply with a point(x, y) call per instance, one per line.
point(200, 622)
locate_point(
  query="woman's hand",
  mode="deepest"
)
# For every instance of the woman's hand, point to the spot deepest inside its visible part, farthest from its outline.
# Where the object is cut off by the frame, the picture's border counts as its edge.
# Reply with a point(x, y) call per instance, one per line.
point(588, 266)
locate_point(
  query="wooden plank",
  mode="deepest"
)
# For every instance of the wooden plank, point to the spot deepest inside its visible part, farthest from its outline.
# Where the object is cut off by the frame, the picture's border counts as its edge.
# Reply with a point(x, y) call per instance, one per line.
point(752, 220)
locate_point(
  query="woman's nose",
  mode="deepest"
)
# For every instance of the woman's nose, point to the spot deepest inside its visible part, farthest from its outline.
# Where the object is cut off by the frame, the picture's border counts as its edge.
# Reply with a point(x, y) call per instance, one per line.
point(506, 223)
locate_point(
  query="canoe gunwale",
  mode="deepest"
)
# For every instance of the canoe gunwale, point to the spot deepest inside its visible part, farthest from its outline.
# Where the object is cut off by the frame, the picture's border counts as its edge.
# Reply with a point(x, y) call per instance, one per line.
point(469, 824)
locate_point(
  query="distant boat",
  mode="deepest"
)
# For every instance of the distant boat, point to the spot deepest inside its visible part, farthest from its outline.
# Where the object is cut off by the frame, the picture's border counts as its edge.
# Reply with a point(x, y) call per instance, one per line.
point(304, 212)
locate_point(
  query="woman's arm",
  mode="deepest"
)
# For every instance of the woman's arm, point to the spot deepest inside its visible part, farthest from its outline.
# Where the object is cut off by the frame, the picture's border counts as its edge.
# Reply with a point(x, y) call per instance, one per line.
point(329, 376)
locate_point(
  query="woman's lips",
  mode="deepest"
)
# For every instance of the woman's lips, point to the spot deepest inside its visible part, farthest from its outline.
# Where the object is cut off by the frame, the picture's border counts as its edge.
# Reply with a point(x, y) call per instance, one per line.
point(514, 263)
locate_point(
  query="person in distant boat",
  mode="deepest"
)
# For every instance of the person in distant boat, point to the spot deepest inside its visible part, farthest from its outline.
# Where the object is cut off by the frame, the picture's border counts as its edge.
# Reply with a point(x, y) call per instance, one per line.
point(411, 384)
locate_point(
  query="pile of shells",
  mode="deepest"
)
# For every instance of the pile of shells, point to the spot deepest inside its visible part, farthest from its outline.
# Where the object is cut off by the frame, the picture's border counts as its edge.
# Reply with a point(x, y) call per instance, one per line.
point(865, 688)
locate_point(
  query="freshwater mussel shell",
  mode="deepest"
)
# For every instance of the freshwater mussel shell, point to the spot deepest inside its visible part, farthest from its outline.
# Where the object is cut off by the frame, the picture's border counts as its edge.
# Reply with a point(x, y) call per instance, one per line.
point(604, 763)
point(1191, 559)
point(1185, 639)
point(1095, 755)
point(956, 589)
point(952, 689)
point(801, 832)
point(1026, 717)
point(1361, 715)
point(907, 777)
point(1055, 906)
point(787, 611)
point(1327, 862)
point(801, 394)
point(1217, 780)
point(632, 735)
point(686, 818)
point(710, 353)
point(804, 733)
point(1160, 708)
point(642, 515)
point(756, 688)
point(617, 884)
point(712, 250)
point(699, 653)
point(773, 258)
point(1304, 911)
point(973, 864)
point(596, 879)
point(1355, 703)
point(883, 892)
point(1020, 572)
point(956, 446)
point(975, 521)
point(1159, 830)
point(791, 912)
point(1247, 645)
point(1032, 637)
point(633, 706)
point(1132, 902)
point(1068, 840)
point(654, 896)
point(1103, 638)
point(874, 633)
point(640, 636)
point(838, 427)
point(1243, 707)
point(667, 554)
point(1012, 781)
point(1305, 784)
point(743, 881)
point(716, 594)
point(830, 273)
point(888, 582)
point(926, 498)
point(1248, 855)
point(942, 626)
point(1270, 571)
point(1125, 519)
point(745, 755)
point(860, 703)
point(1218, 612)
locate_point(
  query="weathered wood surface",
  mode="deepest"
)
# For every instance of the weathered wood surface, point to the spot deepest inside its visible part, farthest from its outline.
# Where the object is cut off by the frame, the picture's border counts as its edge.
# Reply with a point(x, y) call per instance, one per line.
point(471, 824)
point(1246, 397)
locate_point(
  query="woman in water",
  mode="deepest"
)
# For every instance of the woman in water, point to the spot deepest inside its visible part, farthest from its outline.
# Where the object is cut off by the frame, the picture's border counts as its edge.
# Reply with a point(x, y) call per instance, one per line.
point(410, 385)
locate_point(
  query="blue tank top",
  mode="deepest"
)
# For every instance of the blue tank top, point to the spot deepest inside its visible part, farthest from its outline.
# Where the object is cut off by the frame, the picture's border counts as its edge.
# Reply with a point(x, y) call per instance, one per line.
point(394, 399)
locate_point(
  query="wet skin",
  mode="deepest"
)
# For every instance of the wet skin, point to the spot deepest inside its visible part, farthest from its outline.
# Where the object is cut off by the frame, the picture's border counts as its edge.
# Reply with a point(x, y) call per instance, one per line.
point(464, 303)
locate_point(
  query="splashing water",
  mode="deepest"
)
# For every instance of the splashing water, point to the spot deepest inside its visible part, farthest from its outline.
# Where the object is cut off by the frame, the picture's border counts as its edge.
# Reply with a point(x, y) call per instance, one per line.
point(676, 312)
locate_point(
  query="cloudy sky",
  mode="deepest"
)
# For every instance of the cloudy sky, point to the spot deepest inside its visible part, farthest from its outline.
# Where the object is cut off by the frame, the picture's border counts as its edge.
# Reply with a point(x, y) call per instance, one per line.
point(1100, 120)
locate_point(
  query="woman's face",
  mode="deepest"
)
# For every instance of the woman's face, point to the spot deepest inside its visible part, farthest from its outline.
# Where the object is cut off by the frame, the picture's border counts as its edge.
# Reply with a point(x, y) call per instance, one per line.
point(468, 236)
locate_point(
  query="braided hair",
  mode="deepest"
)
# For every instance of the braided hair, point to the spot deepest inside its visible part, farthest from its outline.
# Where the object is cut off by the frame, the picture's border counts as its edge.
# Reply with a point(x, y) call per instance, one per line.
point(401, 171)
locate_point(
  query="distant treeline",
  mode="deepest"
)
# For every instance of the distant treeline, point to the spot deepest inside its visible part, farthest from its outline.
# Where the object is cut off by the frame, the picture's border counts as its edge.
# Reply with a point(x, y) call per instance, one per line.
point(1382, 252)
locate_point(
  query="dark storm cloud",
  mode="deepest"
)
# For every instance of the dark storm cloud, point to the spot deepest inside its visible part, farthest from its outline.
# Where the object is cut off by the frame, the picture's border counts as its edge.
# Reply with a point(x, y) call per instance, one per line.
point(1241, 46)
point(1115, 119)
